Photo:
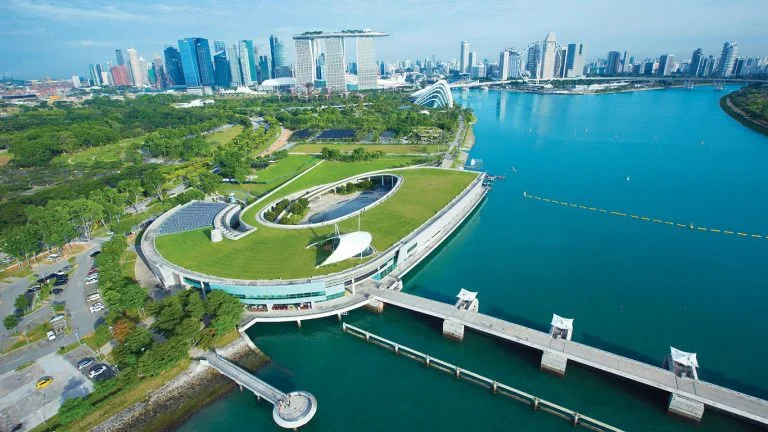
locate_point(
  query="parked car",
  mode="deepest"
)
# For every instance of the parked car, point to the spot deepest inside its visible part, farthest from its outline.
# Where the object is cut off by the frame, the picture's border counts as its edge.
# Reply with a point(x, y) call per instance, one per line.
point(57, 291)
point(93, 276)
point(96, 307)
point(91, 282)
point(61, 273)
point(94, 253)
point(93, 297)
point(96, 371)
point(44, 382)
point(30, 291)
point(35, 287)
point(84, 363)
point(51, 335)
point(60, 283)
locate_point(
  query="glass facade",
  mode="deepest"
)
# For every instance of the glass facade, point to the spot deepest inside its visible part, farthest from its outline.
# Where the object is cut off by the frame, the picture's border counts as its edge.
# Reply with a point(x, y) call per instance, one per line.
point(189, 64)
point(221, 68)
point(173, 66)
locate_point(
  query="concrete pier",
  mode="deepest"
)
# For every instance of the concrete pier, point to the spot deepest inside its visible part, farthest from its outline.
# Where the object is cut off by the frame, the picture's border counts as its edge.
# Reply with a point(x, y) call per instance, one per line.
point(375, 305)
point(685, 408)
point(453, 330)
point(553, 363)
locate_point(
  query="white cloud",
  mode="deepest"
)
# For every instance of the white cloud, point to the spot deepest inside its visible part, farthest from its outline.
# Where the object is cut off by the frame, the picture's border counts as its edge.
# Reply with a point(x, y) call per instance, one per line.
point(58, 12)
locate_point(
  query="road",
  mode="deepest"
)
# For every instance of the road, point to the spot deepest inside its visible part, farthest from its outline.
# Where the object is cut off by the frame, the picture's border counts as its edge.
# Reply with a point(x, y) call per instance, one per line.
point(144, 204)
point(448, 158)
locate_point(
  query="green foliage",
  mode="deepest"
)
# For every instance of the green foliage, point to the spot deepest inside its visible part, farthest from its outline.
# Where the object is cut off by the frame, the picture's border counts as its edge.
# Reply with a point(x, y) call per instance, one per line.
point(162, 356)
point(225, 309)
point(21, 302)
point(73, 409)
point(356, 155)
point(10, 321)
point(120, 293)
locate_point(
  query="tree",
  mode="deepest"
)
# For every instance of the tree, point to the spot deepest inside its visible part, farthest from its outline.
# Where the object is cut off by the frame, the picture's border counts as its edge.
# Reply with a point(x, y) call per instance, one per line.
point(153, 181)
point(21, 302)
point(86, 213)
point(194, 307)
point(188, 328)
point(112, 201)
point(170, 314)
point(225, 309)
point(10, 321)
point(207, 182)
point(20, 241)
point(132, 191)
point(161, 357)
point(122, 328)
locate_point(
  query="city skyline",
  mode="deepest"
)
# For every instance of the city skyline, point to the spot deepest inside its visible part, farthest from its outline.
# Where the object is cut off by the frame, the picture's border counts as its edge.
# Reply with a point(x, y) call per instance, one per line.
point(64, 34)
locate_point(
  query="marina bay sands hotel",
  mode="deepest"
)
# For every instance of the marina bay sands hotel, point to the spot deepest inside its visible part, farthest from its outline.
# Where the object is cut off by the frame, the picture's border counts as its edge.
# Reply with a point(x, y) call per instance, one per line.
point(331, 64)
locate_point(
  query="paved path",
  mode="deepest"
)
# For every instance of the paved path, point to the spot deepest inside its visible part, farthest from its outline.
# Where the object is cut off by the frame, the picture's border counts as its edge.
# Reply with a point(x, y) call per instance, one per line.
point(739, 404)
point(448, 158)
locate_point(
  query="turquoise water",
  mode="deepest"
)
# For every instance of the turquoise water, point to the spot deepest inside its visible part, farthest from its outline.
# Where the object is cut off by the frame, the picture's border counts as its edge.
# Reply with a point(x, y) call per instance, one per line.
point(634, 288)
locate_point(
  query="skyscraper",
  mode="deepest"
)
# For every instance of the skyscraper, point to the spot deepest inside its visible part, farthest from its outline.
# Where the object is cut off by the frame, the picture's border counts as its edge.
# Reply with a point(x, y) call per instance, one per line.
point(549, 52)
point(504, 65)
point(560, 60)
point(135, 66)
point(203, 51)
point(514, 64)
point(218, 46)
point(575, 56)
point(334, 64)
point(697, 61)
point(265, 69)
point(464, 59)
point(120, 75)
point(278, 54)
point(236, 78)
point(305, 62)
point(613, 63)
point(727, 59)
point(626, 63)
point(472, 60)
point(253, 59)
point(95, 78)
point(366, 63)
point(173, 66)
point(189, 64)
point(666, 63)
point(161, 79)
point(222, 71)
point(532, 63)
point(245, 63)
point(119, 56)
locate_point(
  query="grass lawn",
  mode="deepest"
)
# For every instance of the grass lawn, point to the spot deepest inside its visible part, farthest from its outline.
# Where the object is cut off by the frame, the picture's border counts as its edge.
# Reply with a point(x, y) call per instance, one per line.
point(386, 148)
point(274, 175)
point(15, 271)
point(5, 157)
point(128, 263)
point(272, 253)
point(106, 153)
point(222, 137)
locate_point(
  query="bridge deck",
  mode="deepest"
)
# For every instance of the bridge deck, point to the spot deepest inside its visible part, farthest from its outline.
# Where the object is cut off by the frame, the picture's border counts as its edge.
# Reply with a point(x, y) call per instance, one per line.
point(245, 379)
point(712, 395)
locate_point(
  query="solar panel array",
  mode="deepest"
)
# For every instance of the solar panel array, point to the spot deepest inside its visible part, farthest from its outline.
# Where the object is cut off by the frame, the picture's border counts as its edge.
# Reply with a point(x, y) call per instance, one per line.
point(193, 216)
point(337, 134)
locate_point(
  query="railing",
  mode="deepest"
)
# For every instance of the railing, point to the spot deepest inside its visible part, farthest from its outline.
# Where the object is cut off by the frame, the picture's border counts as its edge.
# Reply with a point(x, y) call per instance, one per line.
point(494, 386)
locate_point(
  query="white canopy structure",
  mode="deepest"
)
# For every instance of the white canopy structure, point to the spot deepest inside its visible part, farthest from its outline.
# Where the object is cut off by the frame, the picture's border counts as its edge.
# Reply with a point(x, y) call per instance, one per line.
point(684, 358)
point(349, 245)
point(465, 295)
point(562, 323)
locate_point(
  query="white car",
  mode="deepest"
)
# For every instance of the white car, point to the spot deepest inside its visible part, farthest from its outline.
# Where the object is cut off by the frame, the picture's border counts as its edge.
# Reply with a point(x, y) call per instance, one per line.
point(96, 307)
point(91, 281)
point(93, 297)
point(96, 371)
point(51, 335)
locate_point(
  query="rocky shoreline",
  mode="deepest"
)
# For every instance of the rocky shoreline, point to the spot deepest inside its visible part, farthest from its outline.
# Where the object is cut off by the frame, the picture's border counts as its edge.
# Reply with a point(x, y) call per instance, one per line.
point(168, 407)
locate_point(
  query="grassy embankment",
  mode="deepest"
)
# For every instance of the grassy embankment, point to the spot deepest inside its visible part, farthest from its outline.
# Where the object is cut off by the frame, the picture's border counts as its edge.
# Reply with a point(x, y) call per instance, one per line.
point(270, 177)
point(390, 149)
point(750, 108)
point(423, 193)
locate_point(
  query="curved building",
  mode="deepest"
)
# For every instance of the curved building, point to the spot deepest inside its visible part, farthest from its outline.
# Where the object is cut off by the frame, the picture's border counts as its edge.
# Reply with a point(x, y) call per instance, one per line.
point(438, 95)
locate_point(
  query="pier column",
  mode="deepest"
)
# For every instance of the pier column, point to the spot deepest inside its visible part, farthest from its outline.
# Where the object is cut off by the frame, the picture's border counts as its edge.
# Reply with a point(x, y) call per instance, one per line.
point(376, 306)
point(453, 330)
point(298, 322)
point(688, 409)
point(553, 363)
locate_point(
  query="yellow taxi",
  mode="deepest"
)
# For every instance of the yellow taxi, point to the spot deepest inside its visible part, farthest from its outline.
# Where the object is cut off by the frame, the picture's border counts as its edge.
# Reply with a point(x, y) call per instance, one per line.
point(43, 382)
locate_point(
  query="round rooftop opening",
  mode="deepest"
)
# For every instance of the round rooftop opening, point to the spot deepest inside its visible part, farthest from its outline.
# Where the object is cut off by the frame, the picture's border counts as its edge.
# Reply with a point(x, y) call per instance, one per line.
point(331, 203)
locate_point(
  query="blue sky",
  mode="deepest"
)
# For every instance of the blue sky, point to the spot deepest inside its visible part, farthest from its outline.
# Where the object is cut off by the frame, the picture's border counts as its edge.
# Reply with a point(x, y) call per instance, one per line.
point(60, 38)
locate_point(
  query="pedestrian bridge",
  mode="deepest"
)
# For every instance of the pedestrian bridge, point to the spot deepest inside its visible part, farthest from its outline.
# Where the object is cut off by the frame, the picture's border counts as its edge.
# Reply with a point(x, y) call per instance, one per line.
point(291, 410)
point(686, 395)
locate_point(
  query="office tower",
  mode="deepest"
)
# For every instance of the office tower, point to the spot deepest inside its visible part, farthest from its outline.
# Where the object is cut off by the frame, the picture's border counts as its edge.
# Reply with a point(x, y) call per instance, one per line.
point(160, 76)
point(203, 51)
point(189, 64)
point(366, 64)
point(727, 59)
point(549, 52)
point(76, 81)
point(120, 75)
point(613, 63)
point(173, 67)
point(235, 76)
point(253, 59)
point(697, 61)
point(218, 46)
point(95, 79)
point(472, 60)
point(119, 56)
point(514, 64)
point(105, 79)
point(574, 65)
point(305, 62)
point(504, 65)
point(382, 68)
point(144, 71)
point(666, 63)
point(626, 63)
point(532, 64)
point(464, 65)
point(477, 71)
point(265, 69)
point(277, 49)
point(99, 71)
point(245, 63)
point(221, 68)
point(560, 60)
point(135, 68)
point(334, 76)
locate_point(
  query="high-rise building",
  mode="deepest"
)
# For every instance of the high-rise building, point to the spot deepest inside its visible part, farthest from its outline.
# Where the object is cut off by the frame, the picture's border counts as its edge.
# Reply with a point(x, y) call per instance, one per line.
point(173, 66)
point(560, 61)
point(335, 80)
point(626, 63)
point(305, 62)
point(464, 58)
point(697, 61)
point(533, 62)
point(135, 68)
point(575, 57)
point(277, 49)
point(514, 64)
point(218, 46)
point(76, 81)
point(549, 52)
point(504, 65)
point(189, 64)
point(253, 59)
point(221, 68)
point(727, 59)
point(105, 79)
point(366, 63)
point(245, 63)
point(613, 63)
point(235, 76)
point(119, 56)
point(95, 78)
point(120, 75)
point(472, 60)
point(265, 69)
point(161, 78)
point(203, 51)
point(666, 64)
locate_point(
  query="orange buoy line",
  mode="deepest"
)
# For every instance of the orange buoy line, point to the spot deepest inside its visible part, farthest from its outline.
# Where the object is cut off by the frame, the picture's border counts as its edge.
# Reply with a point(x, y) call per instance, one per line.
point(689, 226)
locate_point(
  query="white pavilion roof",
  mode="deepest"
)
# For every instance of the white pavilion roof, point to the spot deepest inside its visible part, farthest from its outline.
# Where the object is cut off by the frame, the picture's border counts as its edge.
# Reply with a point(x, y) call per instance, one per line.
point(684, 358)
point(562, 323)
point(466, 295)
point(350, 245)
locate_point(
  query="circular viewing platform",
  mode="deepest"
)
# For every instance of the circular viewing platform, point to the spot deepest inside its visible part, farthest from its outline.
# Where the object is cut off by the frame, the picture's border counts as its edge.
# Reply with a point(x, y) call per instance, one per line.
point(296, 410)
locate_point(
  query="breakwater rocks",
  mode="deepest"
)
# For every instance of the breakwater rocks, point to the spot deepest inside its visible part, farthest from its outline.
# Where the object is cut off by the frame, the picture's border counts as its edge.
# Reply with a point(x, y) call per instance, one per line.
point(171, 405)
